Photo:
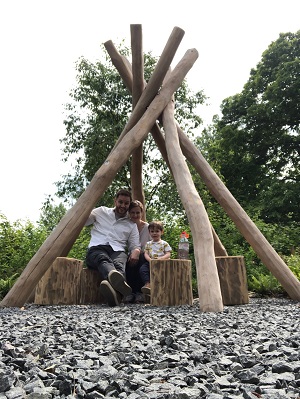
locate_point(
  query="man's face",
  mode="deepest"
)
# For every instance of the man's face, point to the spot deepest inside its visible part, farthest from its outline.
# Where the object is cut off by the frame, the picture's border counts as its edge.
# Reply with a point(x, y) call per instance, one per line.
point(121, 205)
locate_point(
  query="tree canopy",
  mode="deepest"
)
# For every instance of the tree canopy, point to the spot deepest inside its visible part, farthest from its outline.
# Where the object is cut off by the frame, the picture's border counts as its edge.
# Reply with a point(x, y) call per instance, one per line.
point(256, 141)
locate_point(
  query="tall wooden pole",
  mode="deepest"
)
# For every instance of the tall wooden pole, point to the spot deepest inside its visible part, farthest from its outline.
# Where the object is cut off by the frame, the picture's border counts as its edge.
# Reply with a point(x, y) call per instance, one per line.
point(137, 90)
point(210, 297)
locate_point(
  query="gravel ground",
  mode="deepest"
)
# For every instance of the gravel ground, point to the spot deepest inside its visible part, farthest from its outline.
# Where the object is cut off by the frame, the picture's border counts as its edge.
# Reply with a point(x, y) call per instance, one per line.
point(140, 351)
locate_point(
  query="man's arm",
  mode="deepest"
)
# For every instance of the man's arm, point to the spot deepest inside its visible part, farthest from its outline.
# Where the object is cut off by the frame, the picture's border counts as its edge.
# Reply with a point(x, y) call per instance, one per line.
point(134, 240)
point(90, 219)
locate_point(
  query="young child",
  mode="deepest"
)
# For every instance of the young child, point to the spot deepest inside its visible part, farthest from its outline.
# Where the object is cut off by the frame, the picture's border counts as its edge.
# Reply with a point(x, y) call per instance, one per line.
point(154, 249)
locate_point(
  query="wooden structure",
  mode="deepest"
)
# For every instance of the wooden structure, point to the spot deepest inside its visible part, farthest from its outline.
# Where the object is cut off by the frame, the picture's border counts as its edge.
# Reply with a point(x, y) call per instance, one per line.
point(66, 282)
point(233, 280)
point(171, 282)
point(148, 108)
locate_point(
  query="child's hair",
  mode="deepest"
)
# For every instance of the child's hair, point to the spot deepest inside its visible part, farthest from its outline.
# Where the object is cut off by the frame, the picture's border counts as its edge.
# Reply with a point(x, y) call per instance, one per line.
point(134, 204)
point(156, 224)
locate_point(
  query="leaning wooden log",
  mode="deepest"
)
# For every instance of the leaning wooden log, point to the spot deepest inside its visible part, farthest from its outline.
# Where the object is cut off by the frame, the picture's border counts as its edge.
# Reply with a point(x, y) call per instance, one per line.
point(124, 68)
point(218, 246)
point(171, 282)
point(245, 225)
point(210, 298)
point(76, 217)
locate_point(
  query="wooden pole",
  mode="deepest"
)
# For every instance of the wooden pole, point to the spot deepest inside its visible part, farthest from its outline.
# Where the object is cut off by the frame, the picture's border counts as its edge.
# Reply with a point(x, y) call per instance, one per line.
point(137, 90)
point(245, 225)
point(210, 298)
point(76, 217)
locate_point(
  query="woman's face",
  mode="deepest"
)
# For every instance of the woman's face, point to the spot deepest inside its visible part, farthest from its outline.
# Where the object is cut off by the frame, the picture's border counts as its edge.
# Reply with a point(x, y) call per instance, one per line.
point(135, 214)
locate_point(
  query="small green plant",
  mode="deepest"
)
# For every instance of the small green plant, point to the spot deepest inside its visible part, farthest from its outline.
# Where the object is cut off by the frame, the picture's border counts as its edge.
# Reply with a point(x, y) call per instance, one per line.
point(265, 284)
point(5, 285)
point(293, 262)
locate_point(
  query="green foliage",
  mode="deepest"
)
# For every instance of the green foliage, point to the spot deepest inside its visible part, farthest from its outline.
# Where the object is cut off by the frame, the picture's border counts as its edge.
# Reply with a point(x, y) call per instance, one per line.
point(265, 285)
point(6, 284)
point(256, 143)
point(80, 246)
point(261, 281)
point(51, 214)
point(18, 243)
point(293, 262)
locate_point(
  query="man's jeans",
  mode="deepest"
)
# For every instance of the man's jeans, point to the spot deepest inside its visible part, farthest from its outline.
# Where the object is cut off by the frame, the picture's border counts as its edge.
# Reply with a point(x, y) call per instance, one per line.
point(104, 259)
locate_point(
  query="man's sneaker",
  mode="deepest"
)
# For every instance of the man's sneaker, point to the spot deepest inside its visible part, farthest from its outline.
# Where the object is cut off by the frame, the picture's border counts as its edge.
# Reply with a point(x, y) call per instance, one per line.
point(109, 294)
point(146, 289)
point(118, 282)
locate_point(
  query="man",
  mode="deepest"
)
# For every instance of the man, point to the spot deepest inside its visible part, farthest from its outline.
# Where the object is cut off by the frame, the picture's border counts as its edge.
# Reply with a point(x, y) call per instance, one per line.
point(111, 234)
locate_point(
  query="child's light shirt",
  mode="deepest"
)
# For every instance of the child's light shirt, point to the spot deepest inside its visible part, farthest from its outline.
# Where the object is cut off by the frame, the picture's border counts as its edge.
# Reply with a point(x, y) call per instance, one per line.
point(157, 248)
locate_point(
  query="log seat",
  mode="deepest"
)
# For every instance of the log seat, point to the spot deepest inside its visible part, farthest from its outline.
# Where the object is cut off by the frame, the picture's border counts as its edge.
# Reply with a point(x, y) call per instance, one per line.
point(171, 282)
point(67, 282)
point(233, 280)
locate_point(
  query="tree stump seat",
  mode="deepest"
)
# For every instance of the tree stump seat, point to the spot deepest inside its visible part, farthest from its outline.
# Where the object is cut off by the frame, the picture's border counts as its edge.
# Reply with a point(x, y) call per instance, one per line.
point(171, 282)
point(67, 282)
point(233, 280)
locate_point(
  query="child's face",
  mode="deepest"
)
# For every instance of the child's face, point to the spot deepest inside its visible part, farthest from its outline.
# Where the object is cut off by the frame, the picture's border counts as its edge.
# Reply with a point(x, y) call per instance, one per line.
point(155, 234)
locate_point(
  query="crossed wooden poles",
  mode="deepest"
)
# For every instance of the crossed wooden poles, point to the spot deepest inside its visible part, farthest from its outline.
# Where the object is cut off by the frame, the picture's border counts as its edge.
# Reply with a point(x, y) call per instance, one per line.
point(148, 107)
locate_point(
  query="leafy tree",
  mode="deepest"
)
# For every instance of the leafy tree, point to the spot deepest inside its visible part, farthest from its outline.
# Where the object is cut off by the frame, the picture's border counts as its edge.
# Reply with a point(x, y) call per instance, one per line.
point(256, 142)
point(96, 115)
point(19, 241)
point(51, 214)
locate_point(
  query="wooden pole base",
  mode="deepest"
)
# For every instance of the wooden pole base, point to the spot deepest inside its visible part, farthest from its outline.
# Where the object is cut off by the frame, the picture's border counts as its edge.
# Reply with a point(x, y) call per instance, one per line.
point(171, 282)
point(233, 280)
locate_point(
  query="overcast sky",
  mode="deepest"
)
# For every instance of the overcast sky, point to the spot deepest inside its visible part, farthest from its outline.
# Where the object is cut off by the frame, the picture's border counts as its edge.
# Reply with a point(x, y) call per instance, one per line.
point(41, 40)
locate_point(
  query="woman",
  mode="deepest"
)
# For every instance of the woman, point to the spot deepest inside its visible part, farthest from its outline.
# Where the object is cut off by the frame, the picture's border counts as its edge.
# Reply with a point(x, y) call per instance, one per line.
point(132, 267)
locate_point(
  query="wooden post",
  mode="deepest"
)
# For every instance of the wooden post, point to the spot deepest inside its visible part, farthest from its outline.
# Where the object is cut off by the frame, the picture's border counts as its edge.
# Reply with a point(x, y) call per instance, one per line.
point(171, 282)
point(233, 280)
point(210, 298)
point(137, 90)
point(60, 285)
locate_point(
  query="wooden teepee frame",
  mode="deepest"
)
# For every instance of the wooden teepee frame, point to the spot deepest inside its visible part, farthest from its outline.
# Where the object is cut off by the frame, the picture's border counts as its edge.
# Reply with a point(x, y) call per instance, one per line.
point(148, 106)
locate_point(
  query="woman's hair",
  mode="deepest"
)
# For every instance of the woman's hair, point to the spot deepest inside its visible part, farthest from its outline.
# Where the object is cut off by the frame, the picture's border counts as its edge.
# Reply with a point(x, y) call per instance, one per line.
point(134, 204)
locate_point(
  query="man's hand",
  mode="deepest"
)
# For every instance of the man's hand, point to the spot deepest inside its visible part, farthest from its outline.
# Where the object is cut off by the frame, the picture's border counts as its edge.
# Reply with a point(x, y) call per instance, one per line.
point(134, 256)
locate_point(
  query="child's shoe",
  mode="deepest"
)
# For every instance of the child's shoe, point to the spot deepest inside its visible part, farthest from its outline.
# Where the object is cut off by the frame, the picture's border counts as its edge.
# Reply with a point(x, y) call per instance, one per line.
point(146, 289)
